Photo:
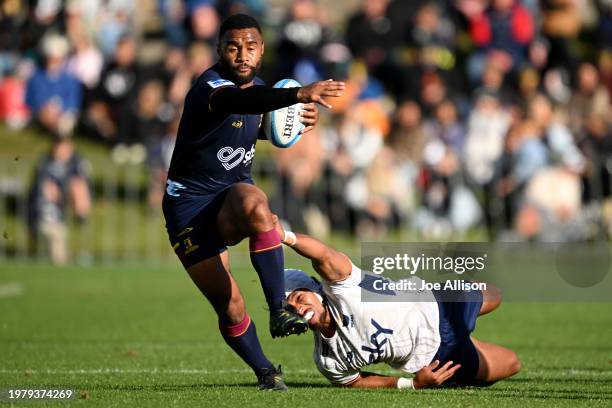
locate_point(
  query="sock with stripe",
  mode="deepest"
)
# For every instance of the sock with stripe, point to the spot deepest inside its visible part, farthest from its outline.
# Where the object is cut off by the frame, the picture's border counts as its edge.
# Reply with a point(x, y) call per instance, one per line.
point(242, 338)
point(268, 260)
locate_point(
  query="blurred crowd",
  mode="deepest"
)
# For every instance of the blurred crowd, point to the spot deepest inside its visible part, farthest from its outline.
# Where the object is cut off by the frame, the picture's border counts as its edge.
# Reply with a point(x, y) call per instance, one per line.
point(457, 114)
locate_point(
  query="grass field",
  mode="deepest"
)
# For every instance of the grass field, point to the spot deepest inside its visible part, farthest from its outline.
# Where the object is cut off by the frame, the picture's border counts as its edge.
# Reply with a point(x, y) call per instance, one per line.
point(130, 336)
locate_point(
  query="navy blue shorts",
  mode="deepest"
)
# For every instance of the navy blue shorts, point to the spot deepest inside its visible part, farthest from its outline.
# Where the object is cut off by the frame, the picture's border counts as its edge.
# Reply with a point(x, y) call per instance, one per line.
point(198, 238)
point(457, 322)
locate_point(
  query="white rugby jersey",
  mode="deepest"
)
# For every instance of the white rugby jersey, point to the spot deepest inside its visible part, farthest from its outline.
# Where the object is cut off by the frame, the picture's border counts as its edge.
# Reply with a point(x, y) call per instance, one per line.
point(404, 335)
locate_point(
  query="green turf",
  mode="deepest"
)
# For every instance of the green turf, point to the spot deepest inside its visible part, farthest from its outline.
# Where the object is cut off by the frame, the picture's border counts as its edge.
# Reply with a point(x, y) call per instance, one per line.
point(127, 336)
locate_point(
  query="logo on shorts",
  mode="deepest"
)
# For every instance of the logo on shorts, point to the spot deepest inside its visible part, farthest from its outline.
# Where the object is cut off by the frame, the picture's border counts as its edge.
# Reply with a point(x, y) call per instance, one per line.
point(189, 246)
point(230, 158)
point(173, 188)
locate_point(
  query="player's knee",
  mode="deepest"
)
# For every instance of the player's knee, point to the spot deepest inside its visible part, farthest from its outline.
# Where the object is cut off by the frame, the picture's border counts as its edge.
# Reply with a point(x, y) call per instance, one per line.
point(259, 215)
point(493, 298)
point(515, 365)
point(234, 312)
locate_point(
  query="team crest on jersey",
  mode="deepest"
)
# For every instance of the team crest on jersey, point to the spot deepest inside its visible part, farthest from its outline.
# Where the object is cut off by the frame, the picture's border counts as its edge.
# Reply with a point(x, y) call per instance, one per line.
point(219, 82)
point(230, 157)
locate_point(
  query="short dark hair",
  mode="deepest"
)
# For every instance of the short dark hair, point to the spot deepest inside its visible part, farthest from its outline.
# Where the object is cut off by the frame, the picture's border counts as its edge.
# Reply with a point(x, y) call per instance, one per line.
point(238, 22)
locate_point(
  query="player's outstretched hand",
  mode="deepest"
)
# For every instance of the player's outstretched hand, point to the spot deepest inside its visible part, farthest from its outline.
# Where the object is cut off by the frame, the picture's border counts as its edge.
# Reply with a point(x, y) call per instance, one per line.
point(318, 91)
point(428, 376)
point(278, 226)
point(309, 116)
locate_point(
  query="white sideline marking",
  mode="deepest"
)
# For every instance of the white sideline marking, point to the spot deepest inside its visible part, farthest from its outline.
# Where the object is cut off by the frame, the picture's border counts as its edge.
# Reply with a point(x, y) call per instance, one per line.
point(11, 289)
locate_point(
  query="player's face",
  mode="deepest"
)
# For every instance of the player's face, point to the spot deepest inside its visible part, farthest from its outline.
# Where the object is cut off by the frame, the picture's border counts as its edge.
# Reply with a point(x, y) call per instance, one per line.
point(306, 303)
point(240, 53)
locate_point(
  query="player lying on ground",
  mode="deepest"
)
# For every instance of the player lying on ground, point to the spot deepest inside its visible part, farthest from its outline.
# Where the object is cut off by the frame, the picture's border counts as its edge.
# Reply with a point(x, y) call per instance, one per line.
point(211, 201)
point(431, 339)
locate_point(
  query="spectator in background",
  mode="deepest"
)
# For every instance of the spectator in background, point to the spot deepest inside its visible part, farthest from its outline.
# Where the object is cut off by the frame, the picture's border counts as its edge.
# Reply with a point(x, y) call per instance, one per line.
point(551, 206)
point(589, 117)
point(433, 35)
point(44, 19)
point(407, 140)
point(369, 36)
point(557, 136)
point(486, 129)
point(525, 154)
point(199, 57)
point(448, 205)
point(174, 60)
point(432, 92)
point(604, 24)
point(173, 14)
point(255, 8)
point(12, 17)
point(447, 127)
point(561, 24)
point(86, 63)
point(108, 114)
point(589, 104)
point(61, 181)
point(204, 21)
point(528, 85)
point(53, 94)
point(385, 202)
point(115, 24)
point(147, 124)
point(300, 42)
point(13, 109)
point(502, 34)
point(299, 169)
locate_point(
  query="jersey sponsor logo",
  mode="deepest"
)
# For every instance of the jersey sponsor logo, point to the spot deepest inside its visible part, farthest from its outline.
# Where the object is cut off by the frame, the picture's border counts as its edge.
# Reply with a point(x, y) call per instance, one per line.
point(219, 82)
point(172, 188)
point(230, 158)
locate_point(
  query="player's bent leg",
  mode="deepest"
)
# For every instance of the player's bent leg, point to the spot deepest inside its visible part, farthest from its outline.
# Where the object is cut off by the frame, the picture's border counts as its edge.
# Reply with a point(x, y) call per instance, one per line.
point(491, 299)
point(245, 213)
point(495, 362)
point(212, 276)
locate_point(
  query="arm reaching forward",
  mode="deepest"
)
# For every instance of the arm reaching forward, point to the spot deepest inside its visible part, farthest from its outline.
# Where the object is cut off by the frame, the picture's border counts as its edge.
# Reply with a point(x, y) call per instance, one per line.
point(427, 377)
point(331, 265)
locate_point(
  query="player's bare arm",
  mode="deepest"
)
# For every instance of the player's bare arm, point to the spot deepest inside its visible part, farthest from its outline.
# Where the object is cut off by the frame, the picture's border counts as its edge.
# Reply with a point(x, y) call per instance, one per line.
point(318, 91)
point(331, 265)
point(429, 376)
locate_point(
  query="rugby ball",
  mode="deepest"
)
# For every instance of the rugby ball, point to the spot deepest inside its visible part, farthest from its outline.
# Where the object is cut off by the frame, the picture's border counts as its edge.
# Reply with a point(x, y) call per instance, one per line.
point(283, 127)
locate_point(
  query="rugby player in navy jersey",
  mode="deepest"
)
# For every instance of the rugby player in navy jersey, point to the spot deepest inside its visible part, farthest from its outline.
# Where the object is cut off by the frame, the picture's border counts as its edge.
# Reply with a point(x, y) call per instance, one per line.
point(211, 201)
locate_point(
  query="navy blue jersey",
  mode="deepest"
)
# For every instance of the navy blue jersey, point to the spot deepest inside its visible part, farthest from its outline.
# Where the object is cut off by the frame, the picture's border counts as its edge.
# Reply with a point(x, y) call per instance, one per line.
point(213, 150)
